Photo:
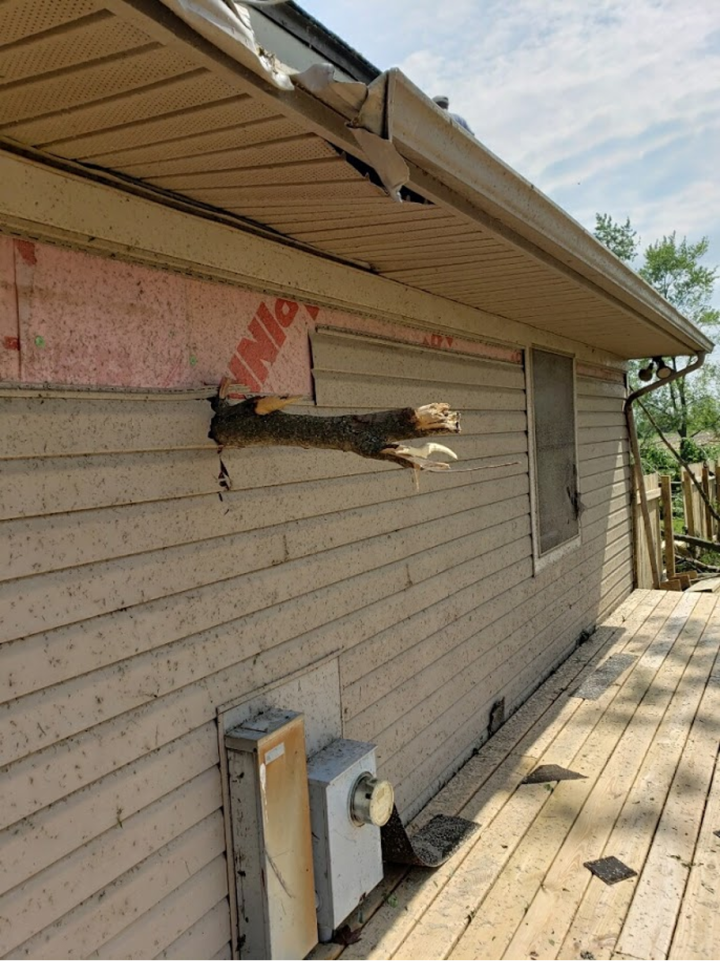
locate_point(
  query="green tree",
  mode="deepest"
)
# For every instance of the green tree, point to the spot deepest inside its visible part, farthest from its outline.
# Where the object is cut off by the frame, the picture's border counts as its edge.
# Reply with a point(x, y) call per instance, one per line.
point(621, 239)
point(675, 269)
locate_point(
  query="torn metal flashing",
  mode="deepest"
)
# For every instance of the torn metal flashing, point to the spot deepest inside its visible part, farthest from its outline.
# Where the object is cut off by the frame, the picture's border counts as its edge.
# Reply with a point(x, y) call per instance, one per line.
point(227, 25)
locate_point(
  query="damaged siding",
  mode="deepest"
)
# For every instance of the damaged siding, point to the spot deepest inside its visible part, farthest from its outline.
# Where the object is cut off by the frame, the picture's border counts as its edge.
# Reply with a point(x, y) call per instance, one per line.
point(137, 597)
point(475, 624)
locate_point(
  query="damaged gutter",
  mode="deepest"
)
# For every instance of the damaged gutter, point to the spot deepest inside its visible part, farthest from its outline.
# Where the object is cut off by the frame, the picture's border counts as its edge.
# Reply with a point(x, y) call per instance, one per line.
point(408, 140)
point(427, 137)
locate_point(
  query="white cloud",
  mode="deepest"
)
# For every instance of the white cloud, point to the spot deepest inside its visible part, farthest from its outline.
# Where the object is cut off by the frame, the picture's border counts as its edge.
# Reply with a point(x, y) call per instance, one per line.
point(609, 105)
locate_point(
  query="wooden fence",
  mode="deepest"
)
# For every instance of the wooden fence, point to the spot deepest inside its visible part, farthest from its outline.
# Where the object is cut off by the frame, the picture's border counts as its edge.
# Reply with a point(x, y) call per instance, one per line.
point(698, 522)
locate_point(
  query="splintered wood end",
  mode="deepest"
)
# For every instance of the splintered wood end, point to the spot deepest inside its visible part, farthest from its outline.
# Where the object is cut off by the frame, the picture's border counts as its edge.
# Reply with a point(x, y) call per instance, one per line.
point(266, 405)
point(438, 417)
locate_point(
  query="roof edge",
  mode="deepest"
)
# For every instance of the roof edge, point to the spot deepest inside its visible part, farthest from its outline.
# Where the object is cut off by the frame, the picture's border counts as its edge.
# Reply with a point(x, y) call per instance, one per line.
point(426, 135)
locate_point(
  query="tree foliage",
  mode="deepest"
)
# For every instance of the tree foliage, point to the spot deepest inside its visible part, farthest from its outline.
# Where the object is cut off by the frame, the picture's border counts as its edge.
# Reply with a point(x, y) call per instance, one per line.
point(675, 268)
point(621, 239)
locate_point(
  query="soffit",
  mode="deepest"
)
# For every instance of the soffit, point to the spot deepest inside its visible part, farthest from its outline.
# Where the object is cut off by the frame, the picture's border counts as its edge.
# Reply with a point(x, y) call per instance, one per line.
point(104, 84)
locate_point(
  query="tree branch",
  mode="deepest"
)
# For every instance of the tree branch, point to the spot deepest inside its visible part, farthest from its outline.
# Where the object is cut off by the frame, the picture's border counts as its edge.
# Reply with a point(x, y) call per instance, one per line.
point(682, 463)
point(260, 421)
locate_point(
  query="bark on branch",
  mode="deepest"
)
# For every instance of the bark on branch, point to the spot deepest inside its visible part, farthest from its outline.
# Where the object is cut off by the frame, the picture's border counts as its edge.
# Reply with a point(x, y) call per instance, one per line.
point(260, 421)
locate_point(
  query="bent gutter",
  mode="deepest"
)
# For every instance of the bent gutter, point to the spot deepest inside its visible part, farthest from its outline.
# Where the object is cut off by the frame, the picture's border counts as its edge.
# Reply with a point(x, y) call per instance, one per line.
point(637, 466)
point(426, 136)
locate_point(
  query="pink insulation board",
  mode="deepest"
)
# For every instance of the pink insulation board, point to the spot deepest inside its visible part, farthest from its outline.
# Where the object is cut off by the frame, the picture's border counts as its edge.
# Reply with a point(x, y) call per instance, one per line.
point(73, 318)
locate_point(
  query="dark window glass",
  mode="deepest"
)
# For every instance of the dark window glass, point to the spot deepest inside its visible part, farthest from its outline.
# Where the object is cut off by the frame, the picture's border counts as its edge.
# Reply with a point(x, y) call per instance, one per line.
point(555, 458)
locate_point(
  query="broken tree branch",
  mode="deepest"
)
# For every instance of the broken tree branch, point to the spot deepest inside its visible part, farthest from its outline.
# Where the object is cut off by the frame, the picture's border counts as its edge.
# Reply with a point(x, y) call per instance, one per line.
point(260, 421)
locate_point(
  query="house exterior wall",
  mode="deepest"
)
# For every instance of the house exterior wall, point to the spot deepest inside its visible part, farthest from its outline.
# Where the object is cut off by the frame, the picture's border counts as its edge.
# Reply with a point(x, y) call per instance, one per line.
point(139, 598)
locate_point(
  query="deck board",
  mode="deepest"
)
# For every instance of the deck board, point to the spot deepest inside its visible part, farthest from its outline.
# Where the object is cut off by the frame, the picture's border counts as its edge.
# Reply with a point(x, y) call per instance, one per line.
point(649, 749)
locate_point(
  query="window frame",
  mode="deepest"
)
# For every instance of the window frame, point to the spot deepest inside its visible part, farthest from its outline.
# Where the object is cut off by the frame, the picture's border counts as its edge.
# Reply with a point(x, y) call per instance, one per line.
point(542, 559)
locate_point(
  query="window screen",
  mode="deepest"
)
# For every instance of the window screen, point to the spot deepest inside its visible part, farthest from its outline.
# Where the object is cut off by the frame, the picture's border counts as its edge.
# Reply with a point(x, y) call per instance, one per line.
point(555, 456)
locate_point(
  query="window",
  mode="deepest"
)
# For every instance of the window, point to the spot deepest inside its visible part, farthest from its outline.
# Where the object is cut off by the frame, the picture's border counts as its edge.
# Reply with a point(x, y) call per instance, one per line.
point(555, 455)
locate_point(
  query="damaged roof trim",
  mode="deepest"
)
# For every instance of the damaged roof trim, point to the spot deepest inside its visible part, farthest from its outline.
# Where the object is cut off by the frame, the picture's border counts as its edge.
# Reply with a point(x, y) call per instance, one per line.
point(428, 138)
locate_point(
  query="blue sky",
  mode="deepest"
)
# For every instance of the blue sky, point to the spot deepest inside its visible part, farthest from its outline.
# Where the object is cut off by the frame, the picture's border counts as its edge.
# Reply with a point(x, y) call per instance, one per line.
point(605, 105)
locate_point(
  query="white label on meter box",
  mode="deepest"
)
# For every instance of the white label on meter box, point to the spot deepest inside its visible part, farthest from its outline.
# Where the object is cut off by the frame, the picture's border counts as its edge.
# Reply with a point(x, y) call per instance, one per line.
point(275, 752)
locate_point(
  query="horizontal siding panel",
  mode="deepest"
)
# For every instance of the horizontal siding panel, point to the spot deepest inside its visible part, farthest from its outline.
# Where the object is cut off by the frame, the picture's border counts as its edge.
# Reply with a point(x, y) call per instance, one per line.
point(591, 466)
point(601, 418)
point(211, 932)
point(56, 485)
point(118, 741)
point(81, 647)
point(62, 597)
point(609, 477)
point(339, 352)
point(589, 450)
point(54, 832)
point(465, 721)
point(105, 915)
point(60, 711)
point(434, 772)
point(183, 908)
point(63, 426)
point(361, 391)
point(65, 540)
point(600, 435)
point(506, 633)
point(423, 634)
point(47, 897)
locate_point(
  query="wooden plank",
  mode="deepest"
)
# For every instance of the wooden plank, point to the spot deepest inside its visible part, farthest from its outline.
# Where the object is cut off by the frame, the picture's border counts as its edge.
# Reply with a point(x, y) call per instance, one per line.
point(651, 919)
point(697, 933)
point(480, 790)
point(546, 922)
point(516, 909)
point(689, 505)
point(602, 911)
point(667, 507)
point(54, 832)
point(708, 518)
point(48, 896)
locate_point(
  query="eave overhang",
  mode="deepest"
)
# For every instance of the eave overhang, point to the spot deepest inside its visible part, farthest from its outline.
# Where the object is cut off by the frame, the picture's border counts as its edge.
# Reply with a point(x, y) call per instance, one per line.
point(377, 176)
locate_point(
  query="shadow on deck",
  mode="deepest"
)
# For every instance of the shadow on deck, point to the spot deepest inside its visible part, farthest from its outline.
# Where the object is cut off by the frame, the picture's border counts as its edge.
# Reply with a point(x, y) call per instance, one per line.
point(648, 747)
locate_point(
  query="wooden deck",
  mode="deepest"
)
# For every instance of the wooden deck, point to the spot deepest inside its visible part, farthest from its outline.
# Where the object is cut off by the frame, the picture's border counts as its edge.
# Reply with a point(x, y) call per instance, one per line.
point(648, 748)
